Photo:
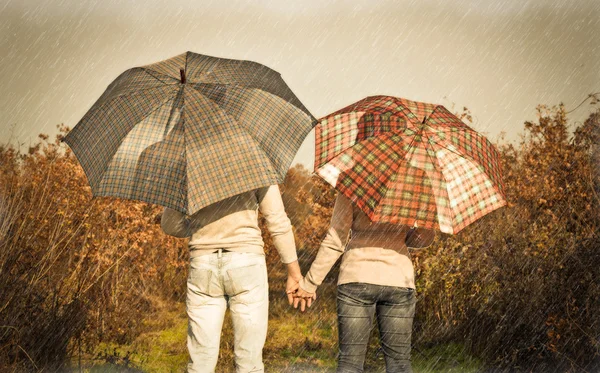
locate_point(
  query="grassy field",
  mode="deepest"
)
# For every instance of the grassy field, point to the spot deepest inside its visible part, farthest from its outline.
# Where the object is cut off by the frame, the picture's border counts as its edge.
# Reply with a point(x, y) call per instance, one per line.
point(296, 342)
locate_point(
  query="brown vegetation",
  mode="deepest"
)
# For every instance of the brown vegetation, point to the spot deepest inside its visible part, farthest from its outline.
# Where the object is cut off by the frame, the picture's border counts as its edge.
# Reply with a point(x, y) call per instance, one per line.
point(74, 270)
point(521, 287)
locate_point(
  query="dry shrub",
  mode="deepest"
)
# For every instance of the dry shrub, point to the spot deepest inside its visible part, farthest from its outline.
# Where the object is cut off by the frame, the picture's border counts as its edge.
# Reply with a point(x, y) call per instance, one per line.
point(74, 270)
point(522, 286)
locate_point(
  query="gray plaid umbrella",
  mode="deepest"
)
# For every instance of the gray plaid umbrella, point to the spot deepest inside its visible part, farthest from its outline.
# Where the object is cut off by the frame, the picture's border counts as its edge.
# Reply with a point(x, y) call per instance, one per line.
point(190, 131)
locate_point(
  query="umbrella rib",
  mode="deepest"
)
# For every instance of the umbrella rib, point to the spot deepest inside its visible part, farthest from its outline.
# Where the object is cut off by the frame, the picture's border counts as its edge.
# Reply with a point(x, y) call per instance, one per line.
point(345, 131)
point(428, 155)
point(412, 150)
point(457, 153)
point(406, 156)
point(469, 159)
point(95, 109)
point(178, 98)
point(242, 128)
point(141, 119)
point(182, 118)
point(236, 85)
point(259, 146)
point(194, 86)
point(237, 123)
point(152, 72)
point(450, 149)
point(436, 191)
point(462, 128)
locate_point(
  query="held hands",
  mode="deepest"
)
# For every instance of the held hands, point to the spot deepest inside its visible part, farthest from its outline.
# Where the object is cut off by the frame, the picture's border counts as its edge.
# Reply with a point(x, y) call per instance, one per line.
point(296, 295)
point(292, 286)
point(302, 298)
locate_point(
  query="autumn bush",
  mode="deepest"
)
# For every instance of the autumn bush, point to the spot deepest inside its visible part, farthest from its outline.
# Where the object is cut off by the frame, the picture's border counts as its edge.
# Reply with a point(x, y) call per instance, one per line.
point(520, 288)
point(74, 271)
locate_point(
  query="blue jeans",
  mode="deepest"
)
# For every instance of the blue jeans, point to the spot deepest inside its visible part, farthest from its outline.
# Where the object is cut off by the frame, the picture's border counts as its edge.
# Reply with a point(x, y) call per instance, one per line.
point(357, 304)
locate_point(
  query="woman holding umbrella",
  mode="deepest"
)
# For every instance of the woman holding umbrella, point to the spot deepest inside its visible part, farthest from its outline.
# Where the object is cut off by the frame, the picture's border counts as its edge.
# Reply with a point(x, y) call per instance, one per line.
point(376, 279)
point(398, 165)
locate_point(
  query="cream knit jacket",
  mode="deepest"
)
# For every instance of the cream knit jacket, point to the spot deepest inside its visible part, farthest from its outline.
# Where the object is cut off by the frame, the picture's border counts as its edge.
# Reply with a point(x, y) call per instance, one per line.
point(375, 253)
point(232, 224)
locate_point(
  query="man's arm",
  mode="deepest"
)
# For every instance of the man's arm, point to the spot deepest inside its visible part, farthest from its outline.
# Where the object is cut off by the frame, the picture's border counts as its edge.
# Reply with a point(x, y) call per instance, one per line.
point(278, 223)
point(280, 228)
point(332, 246)
point(174, 223)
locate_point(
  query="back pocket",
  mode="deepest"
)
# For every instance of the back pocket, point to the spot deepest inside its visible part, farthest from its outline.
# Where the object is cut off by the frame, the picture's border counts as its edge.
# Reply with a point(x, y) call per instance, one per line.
point(247, 284)
point(198, 287)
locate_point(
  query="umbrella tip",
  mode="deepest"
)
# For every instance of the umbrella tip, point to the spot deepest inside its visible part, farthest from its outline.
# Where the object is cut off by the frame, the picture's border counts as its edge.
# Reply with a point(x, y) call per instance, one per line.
point(182, 73)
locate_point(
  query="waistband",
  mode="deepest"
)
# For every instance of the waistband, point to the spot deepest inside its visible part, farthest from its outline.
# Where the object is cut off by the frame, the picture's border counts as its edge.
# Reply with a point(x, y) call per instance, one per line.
point(219, 252)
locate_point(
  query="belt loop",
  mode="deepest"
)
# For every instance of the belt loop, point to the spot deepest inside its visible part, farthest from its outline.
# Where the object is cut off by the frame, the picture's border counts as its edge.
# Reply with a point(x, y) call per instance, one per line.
point(220, 253)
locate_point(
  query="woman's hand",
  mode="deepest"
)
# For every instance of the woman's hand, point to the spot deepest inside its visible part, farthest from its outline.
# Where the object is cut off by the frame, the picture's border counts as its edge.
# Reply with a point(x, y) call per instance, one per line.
point(295, 294)
point(304, 298)
point(293, 279)
point(298, 296)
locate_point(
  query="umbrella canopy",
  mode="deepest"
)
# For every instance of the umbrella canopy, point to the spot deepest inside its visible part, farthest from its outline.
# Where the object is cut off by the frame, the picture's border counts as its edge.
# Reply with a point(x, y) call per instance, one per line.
point(190, 131)
point(408, 162)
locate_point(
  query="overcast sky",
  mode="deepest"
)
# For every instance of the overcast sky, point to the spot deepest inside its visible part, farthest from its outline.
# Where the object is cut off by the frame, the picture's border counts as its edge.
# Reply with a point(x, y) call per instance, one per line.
point(498, 58)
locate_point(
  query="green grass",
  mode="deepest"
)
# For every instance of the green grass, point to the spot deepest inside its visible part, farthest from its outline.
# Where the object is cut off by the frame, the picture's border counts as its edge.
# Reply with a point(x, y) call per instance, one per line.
point(445, 358)
point(295, 343)
point(160, 349)
point(306, 343)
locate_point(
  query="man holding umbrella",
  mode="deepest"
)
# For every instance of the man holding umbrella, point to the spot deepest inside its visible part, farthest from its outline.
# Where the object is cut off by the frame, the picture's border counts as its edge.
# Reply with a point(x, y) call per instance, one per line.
point(208, 138)
point(227, 268)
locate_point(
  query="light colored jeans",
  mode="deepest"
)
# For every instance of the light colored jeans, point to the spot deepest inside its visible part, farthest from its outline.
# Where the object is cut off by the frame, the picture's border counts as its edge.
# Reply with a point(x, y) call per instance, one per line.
point(218, 280)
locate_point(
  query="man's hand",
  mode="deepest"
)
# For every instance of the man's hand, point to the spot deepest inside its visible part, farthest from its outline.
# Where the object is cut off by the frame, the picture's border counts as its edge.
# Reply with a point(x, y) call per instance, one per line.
point(291, 287)
point(297, 296)
point(294, 277)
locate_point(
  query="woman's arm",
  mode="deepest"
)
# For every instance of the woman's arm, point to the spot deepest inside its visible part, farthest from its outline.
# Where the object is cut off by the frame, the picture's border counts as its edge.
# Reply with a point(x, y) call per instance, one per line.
point(174, 223)
point(419, 238)
point(332, 246)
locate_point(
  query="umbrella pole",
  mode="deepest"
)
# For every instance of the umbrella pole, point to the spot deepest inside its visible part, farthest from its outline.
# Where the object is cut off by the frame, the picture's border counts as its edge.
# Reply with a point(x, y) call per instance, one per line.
point(182, 73)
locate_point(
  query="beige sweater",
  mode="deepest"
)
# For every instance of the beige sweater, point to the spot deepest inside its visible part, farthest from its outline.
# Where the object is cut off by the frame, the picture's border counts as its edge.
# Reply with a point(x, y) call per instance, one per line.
point(375, 254)
point(232, 224)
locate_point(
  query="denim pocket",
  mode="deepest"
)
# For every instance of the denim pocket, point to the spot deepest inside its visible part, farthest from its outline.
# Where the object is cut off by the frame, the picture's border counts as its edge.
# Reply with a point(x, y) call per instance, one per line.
point(401, 296)
point(247, 283)
point(200, 277)
point(198, 287)
point(356, 293)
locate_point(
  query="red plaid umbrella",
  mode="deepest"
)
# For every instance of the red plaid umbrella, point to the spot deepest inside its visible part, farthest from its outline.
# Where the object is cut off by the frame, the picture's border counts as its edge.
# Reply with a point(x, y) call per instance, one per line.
point(408, 162)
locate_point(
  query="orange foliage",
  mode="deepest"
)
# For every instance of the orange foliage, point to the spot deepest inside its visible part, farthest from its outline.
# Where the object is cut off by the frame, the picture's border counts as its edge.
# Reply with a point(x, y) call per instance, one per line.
point(74, 270)
point(521, 287)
